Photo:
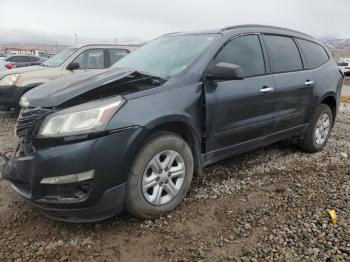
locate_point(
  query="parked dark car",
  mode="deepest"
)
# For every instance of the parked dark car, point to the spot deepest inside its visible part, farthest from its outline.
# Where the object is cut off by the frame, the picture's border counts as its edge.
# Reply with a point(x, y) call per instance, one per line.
point(93, 145)
point(25, 60)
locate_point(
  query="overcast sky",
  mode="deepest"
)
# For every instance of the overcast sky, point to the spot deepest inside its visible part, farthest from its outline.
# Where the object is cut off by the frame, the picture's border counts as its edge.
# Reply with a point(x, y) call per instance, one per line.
point(129, 20)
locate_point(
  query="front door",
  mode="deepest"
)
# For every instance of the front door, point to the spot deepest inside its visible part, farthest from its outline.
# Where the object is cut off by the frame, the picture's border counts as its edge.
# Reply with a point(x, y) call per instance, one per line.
point(239, 112)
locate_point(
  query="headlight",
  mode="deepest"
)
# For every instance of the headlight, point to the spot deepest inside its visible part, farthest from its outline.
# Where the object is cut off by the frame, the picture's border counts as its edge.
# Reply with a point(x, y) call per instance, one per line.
point(82, 119)
point(10, 80)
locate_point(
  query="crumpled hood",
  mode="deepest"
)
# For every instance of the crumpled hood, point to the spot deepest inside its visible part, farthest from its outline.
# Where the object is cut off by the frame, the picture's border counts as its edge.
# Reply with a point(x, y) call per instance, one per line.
point(60, 91)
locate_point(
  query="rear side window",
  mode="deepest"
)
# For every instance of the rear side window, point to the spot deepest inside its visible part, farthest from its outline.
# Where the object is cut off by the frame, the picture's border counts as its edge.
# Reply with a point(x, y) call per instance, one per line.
point(14, 59)
point(116, 54)
point(342, 64)
point(283, 54)
point(315, 54)
point(246, 52)
point(19, 59)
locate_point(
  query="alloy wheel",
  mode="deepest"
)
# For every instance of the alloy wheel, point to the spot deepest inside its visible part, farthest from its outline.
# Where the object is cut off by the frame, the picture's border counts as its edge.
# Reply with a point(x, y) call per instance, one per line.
point(163, 177)
point(322, 129)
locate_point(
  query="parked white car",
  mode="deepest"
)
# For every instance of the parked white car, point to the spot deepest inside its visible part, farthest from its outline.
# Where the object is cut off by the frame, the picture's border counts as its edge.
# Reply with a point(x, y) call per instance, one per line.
point(345, 67)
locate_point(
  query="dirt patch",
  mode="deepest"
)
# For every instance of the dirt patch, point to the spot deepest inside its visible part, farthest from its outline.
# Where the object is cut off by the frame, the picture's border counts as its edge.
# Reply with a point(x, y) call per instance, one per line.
point(345, 99)
point(269, 204)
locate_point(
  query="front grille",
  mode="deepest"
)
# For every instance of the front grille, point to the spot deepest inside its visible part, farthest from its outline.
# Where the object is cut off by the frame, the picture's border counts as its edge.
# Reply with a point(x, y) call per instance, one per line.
point(29, 121)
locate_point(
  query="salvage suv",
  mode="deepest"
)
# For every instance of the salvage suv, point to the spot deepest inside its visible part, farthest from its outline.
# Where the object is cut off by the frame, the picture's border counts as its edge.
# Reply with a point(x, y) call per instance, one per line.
point(15, 83)
point(132, 138)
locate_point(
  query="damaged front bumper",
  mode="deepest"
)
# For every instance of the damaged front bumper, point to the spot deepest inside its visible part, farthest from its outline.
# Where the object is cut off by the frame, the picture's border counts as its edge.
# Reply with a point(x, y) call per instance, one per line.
point(94, 198)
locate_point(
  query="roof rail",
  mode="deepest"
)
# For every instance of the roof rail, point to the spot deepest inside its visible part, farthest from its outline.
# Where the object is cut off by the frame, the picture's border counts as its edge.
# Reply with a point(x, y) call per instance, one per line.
point(171, 33)
point(266, 26)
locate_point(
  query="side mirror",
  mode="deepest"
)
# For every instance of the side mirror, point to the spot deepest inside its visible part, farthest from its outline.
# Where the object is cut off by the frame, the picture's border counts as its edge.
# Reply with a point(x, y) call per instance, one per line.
point(225, 71)
point(73, 66)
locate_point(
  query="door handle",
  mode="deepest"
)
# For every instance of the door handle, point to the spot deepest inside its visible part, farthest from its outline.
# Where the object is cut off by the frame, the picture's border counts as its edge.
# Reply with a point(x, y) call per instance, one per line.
point(309, 83)
point(266, 89)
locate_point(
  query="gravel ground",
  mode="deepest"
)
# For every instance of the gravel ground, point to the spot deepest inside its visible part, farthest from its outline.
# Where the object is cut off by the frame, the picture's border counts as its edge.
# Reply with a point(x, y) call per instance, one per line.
point(267, 205)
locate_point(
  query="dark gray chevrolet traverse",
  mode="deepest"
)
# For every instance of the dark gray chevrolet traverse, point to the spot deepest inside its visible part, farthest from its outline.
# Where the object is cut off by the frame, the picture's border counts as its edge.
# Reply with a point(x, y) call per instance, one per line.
point(132, 138)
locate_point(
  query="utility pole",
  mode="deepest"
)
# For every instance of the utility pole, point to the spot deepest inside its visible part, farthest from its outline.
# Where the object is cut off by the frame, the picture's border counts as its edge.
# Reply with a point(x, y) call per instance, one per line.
point(76, 39)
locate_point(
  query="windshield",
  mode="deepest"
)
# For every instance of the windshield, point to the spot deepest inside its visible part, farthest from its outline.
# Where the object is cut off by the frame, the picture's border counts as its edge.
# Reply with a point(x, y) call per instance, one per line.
point(167, 56)
point(60, 57)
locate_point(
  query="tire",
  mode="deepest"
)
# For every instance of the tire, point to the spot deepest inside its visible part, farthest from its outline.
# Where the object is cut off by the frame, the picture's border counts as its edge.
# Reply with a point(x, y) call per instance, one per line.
point(142, 201)
point(309, 143)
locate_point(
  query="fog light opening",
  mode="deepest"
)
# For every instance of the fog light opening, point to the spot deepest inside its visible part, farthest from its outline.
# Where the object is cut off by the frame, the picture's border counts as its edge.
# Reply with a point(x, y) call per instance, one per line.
point(68, 179)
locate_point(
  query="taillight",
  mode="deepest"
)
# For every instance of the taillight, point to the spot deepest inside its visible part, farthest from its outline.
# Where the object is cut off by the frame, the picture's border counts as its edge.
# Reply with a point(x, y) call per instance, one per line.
point(10, 65)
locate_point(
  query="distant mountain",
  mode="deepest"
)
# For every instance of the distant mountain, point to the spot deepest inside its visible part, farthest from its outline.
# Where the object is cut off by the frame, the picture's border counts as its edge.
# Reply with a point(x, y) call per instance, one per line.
point(336, 43)
point(32, 37)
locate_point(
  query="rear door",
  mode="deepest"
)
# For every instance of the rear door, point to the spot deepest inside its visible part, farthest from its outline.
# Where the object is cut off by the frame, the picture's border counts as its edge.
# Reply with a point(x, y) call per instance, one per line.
point(294, 85)
point(239, 111)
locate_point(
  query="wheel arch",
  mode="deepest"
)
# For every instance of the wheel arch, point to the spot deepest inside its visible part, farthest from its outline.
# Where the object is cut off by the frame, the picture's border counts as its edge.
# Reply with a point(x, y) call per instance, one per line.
point(330, 100)
point(181, 127)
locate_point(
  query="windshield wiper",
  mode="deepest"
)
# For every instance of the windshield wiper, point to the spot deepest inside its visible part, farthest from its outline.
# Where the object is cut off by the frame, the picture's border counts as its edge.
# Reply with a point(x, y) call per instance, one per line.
point(162, 77)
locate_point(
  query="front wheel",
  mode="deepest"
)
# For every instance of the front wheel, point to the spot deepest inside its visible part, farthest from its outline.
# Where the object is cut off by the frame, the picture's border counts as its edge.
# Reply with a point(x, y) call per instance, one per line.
point(318, 131)
point(160, 176)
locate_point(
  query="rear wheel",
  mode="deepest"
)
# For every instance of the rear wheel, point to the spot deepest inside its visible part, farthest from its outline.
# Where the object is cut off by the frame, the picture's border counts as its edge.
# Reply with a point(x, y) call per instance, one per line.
point(318, 131)
point(160, 176)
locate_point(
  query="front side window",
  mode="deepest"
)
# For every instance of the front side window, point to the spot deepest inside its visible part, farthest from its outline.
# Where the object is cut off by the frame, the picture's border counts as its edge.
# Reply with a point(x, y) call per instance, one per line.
point(117, 54)
point(91, 59)
point(15, 59)
point(315, 54)
point(283, 54)
point(246, 52)
point(169, 55)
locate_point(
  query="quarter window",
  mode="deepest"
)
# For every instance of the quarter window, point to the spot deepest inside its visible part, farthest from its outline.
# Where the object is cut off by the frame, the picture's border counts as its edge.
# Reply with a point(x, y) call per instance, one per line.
point(246, 52)
point(283, 54)
point(315, 54)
